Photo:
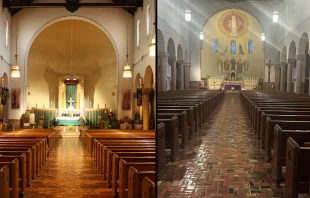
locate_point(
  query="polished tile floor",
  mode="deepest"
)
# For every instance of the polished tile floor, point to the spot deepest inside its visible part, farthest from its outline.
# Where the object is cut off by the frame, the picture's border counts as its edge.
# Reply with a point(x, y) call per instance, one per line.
point(69, 172)
point(222, 160)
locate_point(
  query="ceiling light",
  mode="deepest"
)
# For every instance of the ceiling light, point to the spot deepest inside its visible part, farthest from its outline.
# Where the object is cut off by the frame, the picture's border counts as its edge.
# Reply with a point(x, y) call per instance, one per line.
point(188, 16)
point(275, 17)
point(263, 37)
point(15, 72)
point(201, 36)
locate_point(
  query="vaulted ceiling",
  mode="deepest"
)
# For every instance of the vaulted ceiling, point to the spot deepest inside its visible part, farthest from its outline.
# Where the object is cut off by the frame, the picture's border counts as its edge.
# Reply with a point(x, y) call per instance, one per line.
point(71, 5)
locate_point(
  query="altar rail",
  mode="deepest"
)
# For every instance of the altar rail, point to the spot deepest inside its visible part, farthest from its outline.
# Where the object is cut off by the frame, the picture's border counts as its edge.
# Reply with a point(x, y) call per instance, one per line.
point(48, 114)
point(92, 116)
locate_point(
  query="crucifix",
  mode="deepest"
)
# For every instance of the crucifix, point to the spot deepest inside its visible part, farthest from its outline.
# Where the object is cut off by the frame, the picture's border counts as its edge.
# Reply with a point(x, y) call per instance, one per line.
point(269, 65)
point(70, 100)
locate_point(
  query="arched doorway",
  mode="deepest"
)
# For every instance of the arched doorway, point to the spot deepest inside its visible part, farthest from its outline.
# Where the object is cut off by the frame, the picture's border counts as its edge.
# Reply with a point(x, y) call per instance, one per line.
point(149, 100)
point(4, 108)
point(72, 52)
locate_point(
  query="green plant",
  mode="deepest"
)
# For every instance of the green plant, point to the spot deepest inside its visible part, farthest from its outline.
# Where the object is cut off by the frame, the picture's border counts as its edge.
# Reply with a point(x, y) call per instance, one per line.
point(106, 123)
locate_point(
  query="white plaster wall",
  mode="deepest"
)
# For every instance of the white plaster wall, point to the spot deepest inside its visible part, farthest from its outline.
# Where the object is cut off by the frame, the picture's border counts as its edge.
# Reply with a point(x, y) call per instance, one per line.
point(31, 20)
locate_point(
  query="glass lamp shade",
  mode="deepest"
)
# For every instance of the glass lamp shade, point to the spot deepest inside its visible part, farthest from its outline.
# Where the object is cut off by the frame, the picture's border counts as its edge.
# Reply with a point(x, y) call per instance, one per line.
point(188, 16)
point(201, 36)
point(263, 37)
point(127, 72)
point(152, 48)
point(15, 72)
point(275, 17)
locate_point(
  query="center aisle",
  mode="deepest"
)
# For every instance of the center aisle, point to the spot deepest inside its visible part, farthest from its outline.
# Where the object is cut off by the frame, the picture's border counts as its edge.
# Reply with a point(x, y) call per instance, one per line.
point(223, 160)
point(69, 172)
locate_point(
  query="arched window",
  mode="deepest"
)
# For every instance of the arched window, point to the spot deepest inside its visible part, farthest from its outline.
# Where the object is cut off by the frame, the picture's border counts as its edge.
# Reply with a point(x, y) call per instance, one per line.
point(138, 33)
point(295, 6)
point(233, 47)
point(169, 4)
point(250, 46)
point(215, 45)
point(148, 26)
point(6, 33)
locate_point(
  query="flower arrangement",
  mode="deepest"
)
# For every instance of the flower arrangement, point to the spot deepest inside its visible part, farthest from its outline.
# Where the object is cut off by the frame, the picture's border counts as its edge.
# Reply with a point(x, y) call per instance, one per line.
point(70, 127)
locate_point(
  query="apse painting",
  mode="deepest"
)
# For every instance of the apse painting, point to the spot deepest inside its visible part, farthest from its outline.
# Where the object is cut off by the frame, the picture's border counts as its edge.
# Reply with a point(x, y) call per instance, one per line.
point(233, 23)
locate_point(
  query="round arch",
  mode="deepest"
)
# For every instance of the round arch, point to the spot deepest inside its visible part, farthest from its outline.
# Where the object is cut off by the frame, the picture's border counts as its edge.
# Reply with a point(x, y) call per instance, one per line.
point(4, 109)
point(284, 55)
point(160, 42)
point(180, 53)
point(137, 80)
point(292, 50)
point(171, 48)
point(303, 44)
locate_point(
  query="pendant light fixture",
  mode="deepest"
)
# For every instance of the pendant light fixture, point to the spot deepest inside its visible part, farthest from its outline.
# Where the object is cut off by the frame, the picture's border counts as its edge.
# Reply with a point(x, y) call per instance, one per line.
point(127, 73)
point(275, 17)
point(201, 36)
point(188, 16)
point(15, 72)
point(263, 37)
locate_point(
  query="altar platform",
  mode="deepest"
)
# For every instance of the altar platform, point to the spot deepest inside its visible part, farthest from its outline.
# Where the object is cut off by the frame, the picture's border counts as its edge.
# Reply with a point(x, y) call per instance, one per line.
point(65, 121)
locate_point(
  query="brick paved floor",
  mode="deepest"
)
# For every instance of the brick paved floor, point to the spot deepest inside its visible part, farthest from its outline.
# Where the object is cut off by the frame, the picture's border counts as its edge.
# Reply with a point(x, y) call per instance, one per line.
point(68, 172)
point(222, 160)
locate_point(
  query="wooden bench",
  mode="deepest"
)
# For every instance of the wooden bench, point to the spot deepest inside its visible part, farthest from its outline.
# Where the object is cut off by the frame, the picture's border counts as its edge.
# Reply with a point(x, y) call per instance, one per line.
point(161, 148)
point(279, 148)
point(148, 188)
point(4, 181)
point(301, 125)
point(297, 169)
point(182, 122)
point(171, 135)
point(122, 172)
point(135, 177)
point(14, 176)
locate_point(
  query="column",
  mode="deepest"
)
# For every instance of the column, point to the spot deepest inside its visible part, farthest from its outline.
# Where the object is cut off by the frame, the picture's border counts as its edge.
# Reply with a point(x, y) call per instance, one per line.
point(181, 74)
point(187, 68)
point(163, 57)
point(173, 73)
point(282, 79)
point(145, 107)
point(289, 74)
point(277, 76)
point(300, 59)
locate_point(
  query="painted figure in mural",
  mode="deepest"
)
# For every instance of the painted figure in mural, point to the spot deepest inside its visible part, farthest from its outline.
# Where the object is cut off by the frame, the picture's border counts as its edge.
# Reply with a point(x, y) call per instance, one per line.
point(224, 52)
point(226, 64)
point(233, 63)
point(219, 65)
point(239, 65)
point(246, 64)
point(233, 25)
point(240, 49)
point(126, 100)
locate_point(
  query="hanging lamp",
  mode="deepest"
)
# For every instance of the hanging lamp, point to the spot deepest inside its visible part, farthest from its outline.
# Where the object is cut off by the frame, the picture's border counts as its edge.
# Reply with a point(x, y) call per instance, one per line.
point(263, 37)
point(201, 36)
point(188, 15)
point(127, 73)
point(275, 17)
point(15, 72)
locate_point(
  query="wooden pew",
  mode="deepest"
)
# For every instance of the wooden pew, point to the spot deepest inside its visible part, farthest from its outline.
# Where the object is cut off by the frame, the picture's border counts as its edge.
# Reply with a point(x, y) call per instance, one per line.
point(190, 118)
point(148, 188)
point(123, 154)
point(22, 169)
point(279, 148)
point(301, 125)
point(161, 148)
point(14, 176)
point(135, 177)
point(4, 181)
point(122, 170)
point(27, 150)
point(182, 121)
point(171, 135)
point(297, 169)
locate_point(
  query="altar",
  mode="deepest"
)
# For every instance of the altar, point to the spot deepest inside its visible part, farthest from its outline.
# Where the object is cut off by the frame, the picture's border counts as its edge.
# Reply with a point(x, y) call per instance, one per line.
point(235, 87)
point(65, 121)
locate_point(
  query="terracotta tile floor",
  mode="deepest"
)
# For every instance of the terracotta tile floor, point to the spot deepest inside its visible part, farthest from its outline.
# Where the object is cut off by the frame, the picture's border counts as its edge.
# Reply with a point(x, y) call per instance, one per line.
point(68, 172)
point(222, 160)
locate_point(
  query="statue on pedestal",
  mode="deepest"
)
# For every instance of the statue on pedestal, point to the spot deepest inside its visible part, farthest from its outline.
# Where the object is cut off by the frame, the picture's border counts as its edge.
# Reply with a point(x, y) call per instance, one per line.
point(70, 108)
point(239, 65)
point(226, 64)
point(219, 65)
point(233, 63)
point(246, 64)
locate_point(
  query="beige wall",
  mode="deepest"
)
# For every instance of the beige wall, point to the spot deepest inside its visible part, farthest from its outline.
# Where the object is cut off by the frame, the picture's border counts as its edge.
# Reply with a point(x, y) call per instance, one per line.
point(212, 31)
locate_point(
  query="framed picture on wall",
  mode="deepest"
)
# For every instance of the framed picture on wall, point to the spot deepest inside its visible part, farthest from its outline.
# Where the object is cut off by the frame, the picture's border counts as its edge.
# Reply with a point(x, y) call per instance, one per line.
point(126, 99)
point(15, 98)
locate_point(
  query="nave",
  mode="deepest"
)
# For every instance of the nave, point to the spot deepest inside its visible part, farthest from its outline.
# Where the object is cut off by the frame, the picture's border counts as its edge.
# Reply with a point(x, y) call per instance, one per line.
point(223, 159)
point(69, 172)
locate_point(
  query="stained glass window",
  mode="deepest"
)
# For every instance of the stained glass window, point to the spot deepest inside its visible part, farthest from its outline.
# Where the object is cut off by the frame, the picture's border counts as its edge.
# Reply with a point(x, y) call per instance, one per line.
point(251, 46)
point(215, 46)
point(233, 47)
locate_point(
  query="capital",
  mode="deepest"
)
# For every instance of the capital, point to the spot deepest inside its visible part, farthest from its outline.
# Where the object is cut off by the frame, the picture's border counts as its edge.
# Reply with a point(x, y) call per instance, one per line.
point(163, 54)
point(291, 60)
point(283, 64)
point(180, 62)
point(172, 58)
point(277, 65)
point(300, 57)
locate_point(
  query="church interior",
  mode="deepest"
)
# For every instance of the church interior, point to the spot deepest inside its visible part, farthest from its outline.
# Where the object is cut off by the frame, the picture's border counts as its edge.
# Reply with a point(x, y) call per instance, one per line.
point(74, 73)
point(233, 98)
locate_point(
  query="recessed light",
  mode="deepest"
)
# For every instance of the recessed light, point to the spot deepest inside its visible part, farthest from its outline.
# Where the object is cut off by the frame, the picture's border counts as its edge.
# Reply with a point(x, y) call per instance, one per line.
point(74, 78)
point(68, 78)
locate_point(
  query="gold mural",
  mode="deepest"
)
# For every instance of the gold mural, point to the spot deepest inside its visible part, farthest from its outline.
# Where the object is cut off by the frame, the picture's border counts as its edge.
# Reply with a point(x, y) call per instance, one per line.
point(233, 23)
